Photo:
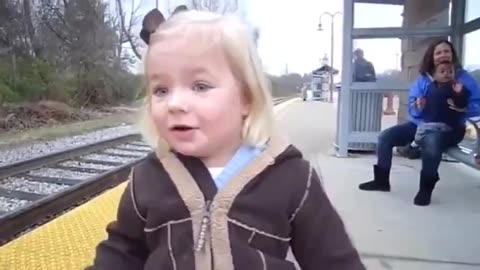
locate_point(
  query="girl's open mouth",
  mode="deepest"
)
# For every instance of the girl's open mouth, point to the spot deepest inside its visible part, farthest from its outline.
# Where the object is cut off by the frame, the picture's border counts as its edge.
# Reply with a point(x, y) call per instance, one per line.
point(181, 128)
point(183, 132)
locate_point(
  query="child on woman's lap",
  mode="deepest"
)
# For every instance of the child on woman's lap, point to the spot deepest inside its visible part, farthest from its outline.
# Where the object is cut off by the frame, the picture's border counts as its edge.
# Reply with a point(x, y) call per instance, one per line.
point(443, 106)
point(221, 191)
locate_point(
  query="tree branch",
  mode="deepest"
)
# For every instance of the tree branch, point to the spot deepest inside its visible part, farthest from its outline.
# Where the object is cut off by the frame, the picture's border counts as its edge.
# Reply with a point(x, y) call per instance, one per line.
point(127, 33)
point(215, 5)
point(56, 33)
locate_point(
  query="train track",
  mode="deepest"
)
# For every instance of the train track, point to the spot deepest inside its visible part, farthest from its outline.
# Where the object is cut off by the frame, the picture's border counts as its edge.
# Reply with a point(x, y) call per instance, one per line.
point(38, 189)
point(279, 100)
point(35, 189)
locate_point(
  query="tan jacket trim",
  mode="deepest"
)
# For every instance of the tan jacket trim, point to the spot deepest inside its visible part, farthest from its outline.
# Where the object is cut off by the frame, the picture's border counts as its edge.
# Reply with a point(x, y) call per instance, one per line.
point(170, 248)
point(223, 258)
point(219, 240)
point(132, 196)
point(193, 198)
point(305, 195)
point(257, 231)
point(264, 262)
point(250, 239)
point(173, 222)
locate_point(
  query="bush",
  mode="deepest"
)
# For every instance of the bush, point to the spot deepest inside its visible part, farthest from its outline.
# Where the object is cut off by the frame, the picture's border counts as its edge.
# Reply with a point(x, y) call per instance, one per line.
point(30, 89)
point(7, 95)
point(37, 80)
point(31, 80)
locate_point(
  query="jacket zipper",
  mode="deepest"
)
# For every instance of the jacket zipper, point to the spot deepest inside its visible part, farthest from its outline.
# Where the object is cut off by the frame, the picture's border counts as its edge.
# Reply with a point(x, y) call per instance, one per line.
point(204, 227)
point(209, 204)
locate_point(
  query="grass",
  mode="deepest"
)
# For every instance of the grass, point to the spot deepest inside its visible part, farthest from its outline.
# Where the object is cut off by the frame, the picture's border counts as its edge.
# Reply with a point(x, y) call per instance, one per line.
point(18, 138)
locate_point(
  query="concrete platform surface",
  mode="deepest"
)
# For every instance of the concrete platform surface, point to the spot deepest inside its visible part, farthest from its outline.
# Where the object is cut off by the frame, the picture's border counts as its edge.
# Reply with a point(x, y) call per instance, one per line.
point(388, 230)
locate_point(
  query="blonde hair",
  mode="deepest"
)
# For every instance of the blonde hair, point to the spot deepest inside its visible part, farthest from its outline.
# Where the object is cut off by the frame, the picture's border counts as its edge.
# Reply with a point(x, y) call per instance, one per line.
point(236, 40)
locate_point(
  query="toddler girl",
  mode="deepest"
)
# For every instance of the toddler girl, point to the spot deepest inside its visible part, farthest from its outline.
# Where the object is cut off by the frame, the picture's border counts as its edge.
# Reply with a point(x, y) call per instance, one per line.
point(221, 190)
point(444, 104)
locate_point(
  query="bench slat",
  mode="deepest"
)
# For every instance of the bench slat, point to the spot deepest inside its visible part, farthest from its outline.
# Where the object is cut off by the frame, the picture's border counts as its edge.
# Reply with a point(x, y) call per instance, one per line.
point(463, 156)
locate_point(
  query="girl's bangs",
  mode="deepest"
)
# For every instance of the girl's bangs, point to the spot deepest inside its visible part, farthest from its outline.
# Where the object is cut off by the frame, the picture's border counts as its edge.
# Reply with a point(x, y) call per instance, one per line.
point(200, 36)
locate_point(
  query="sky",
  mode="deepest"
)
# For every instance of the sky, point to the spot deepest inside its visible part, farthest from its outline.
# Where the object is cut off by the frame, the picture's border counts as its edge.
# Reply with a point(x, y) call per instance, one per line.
point(290, 40)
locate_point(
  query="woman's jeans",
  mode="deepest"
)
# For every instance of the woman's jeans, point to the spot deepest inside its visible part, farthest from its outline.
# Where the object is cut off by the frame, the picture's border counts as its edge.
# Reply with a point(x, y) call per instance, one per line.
point(433, 145)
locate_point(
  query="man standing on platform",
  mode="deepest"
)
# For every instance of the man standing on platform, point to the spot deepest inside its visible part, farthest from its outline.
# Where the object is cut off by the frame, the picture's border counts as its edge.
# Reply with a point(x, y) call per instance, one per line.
point(363, 70)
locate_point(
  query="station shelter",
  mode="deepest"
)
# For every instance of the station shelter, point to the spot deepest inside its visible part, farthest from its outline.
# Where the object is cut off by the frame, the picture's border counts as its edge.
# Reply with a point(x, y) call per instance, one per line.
point(394, 35)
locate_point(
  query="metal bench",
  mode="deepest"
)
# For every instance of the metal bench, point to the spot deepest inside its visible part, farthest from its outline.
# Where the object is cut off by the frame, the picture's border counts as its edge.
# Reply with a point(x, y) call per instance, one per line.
point(468, 152)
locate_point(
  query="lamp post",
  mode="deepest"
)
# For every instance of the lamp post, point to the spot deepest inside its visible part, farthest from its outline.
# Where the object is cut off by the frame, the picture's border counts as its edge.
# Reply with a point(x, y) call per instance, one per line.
point(332, 24)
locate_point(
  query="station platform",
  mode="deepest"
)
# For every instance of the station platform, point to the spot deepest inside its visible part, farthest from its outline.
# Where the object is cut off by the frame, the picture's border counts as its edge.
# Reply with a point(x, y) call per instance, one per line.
point(388, 230)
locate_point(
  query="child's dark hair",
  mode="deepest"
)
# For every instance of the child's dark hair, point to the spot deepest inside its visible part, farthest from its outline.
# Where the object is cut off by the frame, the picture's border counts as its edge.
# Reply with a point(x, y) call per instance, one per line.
point(444, 62)
point(428, 66)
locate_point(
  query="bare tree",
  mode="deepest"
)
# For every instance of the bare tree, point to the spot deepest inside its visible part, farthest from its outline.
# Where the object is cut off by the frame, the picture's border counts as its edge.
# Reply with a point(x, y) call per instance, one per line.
point(60, 44)
point(33, 38)
point(126, 32)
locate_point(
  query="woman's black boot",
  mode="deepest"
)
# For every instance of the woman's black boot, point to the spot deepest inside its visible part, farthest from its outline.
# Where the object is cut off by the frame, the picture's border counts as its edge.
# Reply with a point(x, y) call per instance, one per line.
point(381, 180)
point(427, 184)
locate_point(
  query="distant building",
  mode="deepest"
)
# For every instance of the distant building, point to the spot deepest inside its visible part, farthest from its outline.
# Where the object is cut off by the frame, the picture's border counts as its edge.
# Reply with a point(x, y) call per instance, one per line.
point(320, 83)
point(321, 78)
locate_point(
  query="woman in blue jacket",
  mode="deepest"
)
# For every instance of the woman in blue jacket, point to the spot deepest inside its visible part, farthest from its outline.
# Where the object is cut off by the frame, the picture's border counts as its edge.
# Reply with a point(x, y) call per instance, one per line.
point(433, 144)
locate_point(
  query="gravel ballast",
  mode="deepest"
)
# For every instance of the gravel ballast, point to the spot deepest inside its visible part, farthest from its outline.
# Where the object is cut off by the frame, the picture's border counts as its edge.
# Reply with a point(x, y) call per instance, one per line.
point(25, 185)
point(43, 148)
point(7, 204)
point(107, 158)
point(60, 173)
point(113, 151)
point(136, 147)
point(78, 164)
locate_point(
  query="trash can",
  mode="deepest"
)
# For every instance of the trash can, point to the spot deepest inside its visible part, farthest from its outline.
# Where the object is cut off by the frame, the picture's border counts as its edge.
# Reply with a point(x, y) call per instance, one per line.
point(365, 116)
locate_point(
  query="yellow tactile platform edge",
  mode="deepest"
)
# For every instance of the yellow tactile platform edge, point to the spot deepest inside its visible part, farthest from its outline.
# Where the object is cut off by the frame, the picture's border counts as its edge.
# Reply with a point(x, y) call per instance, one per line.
point(64, 243)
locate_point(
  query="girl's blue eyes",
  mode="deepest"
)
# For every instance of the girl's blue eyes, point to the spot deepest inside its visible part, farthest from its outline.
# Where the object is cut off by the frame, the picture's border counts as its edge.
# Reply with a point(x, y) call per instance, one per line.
point(160, 91)
point(201, 87)
point(198, 87)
